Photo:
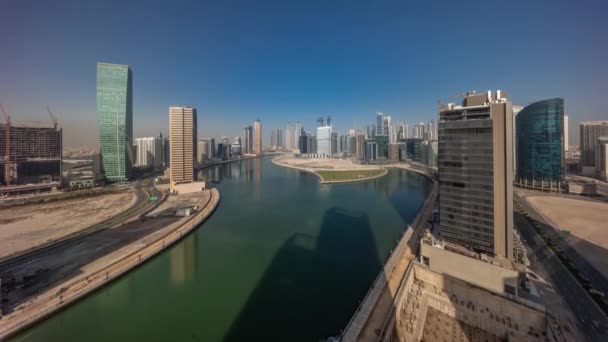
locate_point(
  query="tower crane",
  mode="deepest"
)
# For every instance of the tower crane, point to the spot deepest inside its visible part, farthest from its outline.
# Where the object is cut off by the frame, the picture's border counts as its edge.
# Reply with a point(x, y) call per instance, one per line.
point(53, 117)
point(7, 158)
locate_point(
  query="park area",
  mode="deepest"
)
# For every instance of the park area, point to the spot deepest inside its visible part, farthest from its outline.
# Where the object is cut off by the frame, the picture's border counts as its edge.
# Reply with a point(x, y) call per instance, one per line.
point(332, 170)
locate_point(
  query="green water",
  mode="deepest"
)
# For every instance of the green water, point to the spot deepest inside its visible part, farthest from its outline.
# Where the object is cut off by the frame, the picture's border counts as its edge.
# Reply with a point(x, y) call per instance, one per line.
point(282, 258)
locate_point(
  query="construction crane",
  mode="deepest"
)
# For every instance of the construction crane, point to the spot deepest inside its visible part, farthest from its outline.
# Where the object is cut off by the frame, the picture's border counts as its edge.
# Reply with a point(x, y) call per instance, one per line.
point(53, 117)
point(7, 158)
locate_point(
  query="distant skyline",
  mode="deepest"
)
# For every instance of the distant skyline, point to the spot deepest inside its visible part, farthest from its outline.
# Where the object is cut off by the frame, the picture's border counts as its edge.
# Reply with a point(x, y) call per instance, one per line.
point(284, 61)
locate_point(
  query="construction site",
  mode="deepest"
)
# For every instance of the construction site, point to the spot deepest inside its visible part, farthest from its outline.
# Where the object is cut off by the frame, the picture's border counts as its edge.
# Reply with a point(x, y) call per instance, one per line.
point(30, 155)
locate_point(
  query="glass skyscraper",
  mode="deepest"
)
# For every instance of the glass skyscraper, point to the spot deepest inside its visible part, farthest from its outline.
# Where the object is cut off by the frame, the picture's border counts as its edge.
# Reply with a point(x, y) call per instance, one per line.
point(540, 144)
point(115, 117)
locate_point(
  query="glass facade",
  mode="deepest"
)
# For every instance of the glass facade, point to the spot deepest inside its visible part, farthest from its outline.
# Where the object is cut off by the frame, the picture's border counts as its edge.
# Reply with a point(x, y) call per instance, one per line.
point(115, 117)
point(540, 144)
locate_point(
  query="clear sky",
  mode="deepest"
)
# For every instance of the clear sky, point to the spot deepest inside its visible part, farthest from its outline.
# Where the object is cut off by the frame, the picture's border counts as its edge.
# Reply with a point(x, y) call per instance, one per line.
point(295, 60)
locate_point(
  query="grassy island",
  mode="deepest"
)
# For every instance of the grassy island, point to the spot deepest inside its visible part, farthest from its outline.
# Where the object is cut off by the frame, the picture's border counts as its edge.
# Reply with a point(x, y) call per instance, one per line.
point(350, 175)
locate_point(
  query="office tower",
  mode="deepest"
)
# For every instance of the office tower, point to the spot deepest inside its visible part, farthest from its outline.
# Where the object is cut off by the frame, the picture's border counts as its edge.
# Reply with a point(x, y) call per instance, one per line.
point(182, 133)
point(432, 133)
point(280, 142)
point(115, 117)
point(421, 131)
point(371, 151)
point(516, 110)
point(413, 148)
point(324, 141)
point(540, 144)
point(247, 146)
point(382, 145)
point(257, 137)
point(328, 120)
point(566, 130)
point(360, 147)
point(303, 144)
point(273, 138)
point(386, 124)
point(405, 134)
point(297, 134)
point(204, 150)
point(288, 136)
point(212, 148)
point(149, 151)
point(334, 143)
point(167, 152)
point(601, 158)
point(35, 154)
point(379, 123)
point(393, 134)
point(475, 173)
point(236, 146)
point(590, 132)
point(311, 142)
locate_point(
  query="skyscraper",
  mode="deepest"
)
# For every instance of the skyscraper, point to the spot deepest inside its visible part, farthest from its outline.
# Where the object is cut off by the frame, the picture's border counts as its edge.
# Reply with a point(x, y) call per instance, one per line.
point(288, 136)
point(324, 141)
point(257, 137)
point(379, 123)
point(386, 124)
point(540, 144)
point(149, 151)
point(590, 132)
point(297, 135)
point(247, 146)
point(182, 134)
point(115, 117)
point(475, 173)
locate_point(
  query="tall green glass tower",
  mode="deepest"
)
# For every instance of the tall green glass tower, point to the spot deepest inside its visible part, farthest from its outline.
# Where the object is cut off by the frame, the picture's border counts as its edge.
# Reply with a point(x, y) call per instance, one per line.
point(115, 117)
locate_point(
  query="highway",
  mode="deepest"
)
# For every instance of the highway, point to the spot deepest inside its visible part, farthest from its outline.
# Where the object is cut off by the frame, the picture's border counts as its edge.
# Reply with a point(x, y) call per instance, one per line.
point(143, 190)
point(592, 322)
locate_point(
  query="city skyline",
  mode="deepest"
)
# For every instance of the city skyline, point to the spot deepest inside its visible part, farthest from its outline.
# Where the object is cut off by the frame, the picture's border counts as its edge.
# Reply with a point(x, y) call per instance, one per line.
point(359, 76)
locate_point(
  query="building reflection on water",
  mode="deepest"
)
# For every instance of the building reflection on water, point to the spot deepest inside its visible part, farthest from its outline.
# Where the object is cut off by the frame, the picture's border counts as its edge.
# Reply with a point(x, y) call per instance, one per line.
point(183, 261)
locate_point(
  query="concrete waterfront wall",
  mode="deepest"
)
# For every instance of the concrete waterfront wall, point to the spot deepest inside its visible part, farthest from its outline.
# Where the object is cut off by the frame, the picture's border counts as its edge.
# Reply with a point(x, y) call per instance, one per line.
point(73, 290)
point(353, 328)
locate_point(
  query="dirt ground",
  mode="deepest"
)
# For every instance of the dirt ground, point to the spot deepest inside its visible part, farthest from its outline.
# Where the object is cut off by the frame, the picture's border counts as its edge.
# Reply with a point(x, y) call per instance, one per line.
point(29, 279)
point(324, 163)
point(27, 226)
point(586, 221)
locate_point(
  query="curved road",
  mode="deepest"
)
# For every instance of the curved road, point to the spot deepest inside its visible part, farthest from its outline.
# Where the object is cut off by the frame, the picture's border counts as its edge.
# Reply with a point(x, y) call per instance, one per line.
point(143, 190)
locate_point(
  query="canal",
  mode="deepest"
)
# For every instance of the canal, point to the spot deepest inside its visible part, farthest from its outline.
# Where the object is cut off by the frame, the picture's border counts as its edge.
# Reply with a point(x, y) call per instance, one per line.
point(282, 258)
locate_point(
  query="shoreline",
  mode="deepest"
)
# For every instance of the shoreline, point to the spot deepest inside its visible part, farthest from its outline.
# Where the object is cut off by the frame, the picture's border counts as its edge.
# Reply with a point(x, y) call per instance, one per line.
point(323, 181)
point(77, 288)
point(392, 273)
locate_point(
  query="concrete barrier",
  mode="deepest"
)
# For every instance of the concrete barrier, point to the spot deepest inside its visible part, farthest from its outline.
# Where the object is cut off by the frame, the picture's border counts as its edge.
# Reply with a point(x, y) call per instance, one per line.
point(70, 292)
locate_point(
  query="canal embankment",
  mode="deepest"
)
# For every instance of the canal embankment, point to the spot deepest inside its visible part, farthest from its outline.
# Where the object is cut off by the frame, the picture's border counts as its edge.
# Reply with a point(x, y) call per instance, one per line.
point(104, 270)
point(371, 314)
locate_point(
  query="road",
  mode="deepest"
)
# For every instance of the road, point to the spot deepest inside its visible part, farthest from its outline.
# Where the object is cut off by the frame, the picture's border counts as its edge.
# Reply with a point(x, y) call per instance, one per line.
point(602, 187)
point(596, 279)
point(592, 322)
point(143, 189)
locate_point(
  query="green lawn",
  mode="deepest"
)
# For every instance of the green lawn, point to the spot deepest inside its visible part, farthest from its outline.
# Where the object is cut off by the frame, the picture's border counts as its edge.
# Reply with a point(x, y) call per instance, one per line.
point(330, 176)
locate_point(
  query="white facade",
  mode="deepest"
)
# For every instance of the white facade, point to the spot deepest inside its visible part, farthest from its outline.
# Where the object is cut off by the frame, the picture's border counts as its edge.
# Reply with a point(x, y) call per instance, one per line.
point(289, 137)
point(566, 148)
point(324, 140)
point(393, 134)
point(149, 151)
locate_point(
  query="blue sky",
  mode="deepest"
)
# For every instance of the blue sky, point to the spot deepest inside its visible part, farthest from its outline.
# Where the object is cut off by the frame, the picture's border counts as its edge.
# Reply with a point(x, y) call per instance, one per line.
point(287, 61)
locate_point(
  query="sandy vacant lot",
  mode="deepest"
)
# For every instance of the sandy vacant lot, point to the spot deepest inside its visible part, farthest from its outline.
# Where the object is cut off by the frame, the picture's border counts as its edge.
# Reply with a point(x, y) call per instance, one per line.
point(586, 221)
point(27, 226)
point(323, 163)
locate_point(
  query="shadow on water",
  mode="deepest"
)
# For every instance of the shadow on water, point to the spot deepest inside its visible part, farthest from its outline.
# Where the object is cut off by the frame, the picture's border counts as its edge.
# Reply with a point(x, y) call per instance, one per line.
point(336, 266)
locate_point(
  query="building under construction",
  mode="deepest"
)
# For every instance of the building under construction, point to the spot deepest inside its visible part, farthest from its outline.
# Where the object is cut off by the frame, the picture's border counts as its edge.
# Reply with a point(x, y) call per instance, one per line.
point(33, 154)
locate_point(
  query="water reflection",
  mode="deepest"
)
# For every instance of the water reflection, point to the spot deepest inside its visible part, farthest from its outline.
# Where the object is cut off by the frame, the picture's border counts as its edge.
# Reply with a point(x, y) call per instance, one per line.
point(183, 261)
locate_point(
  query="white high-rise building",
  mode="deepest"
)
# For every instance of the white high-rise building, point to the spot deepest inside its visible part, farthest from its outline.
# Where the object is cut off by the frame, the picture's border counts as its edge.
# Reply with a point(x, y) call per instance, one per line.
point(386, 124)
point(393, 134)
point(566, 147)
point(288, 136)
point(297, 134)
point(405, 131)
point(324, 141)
point(149, 151)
